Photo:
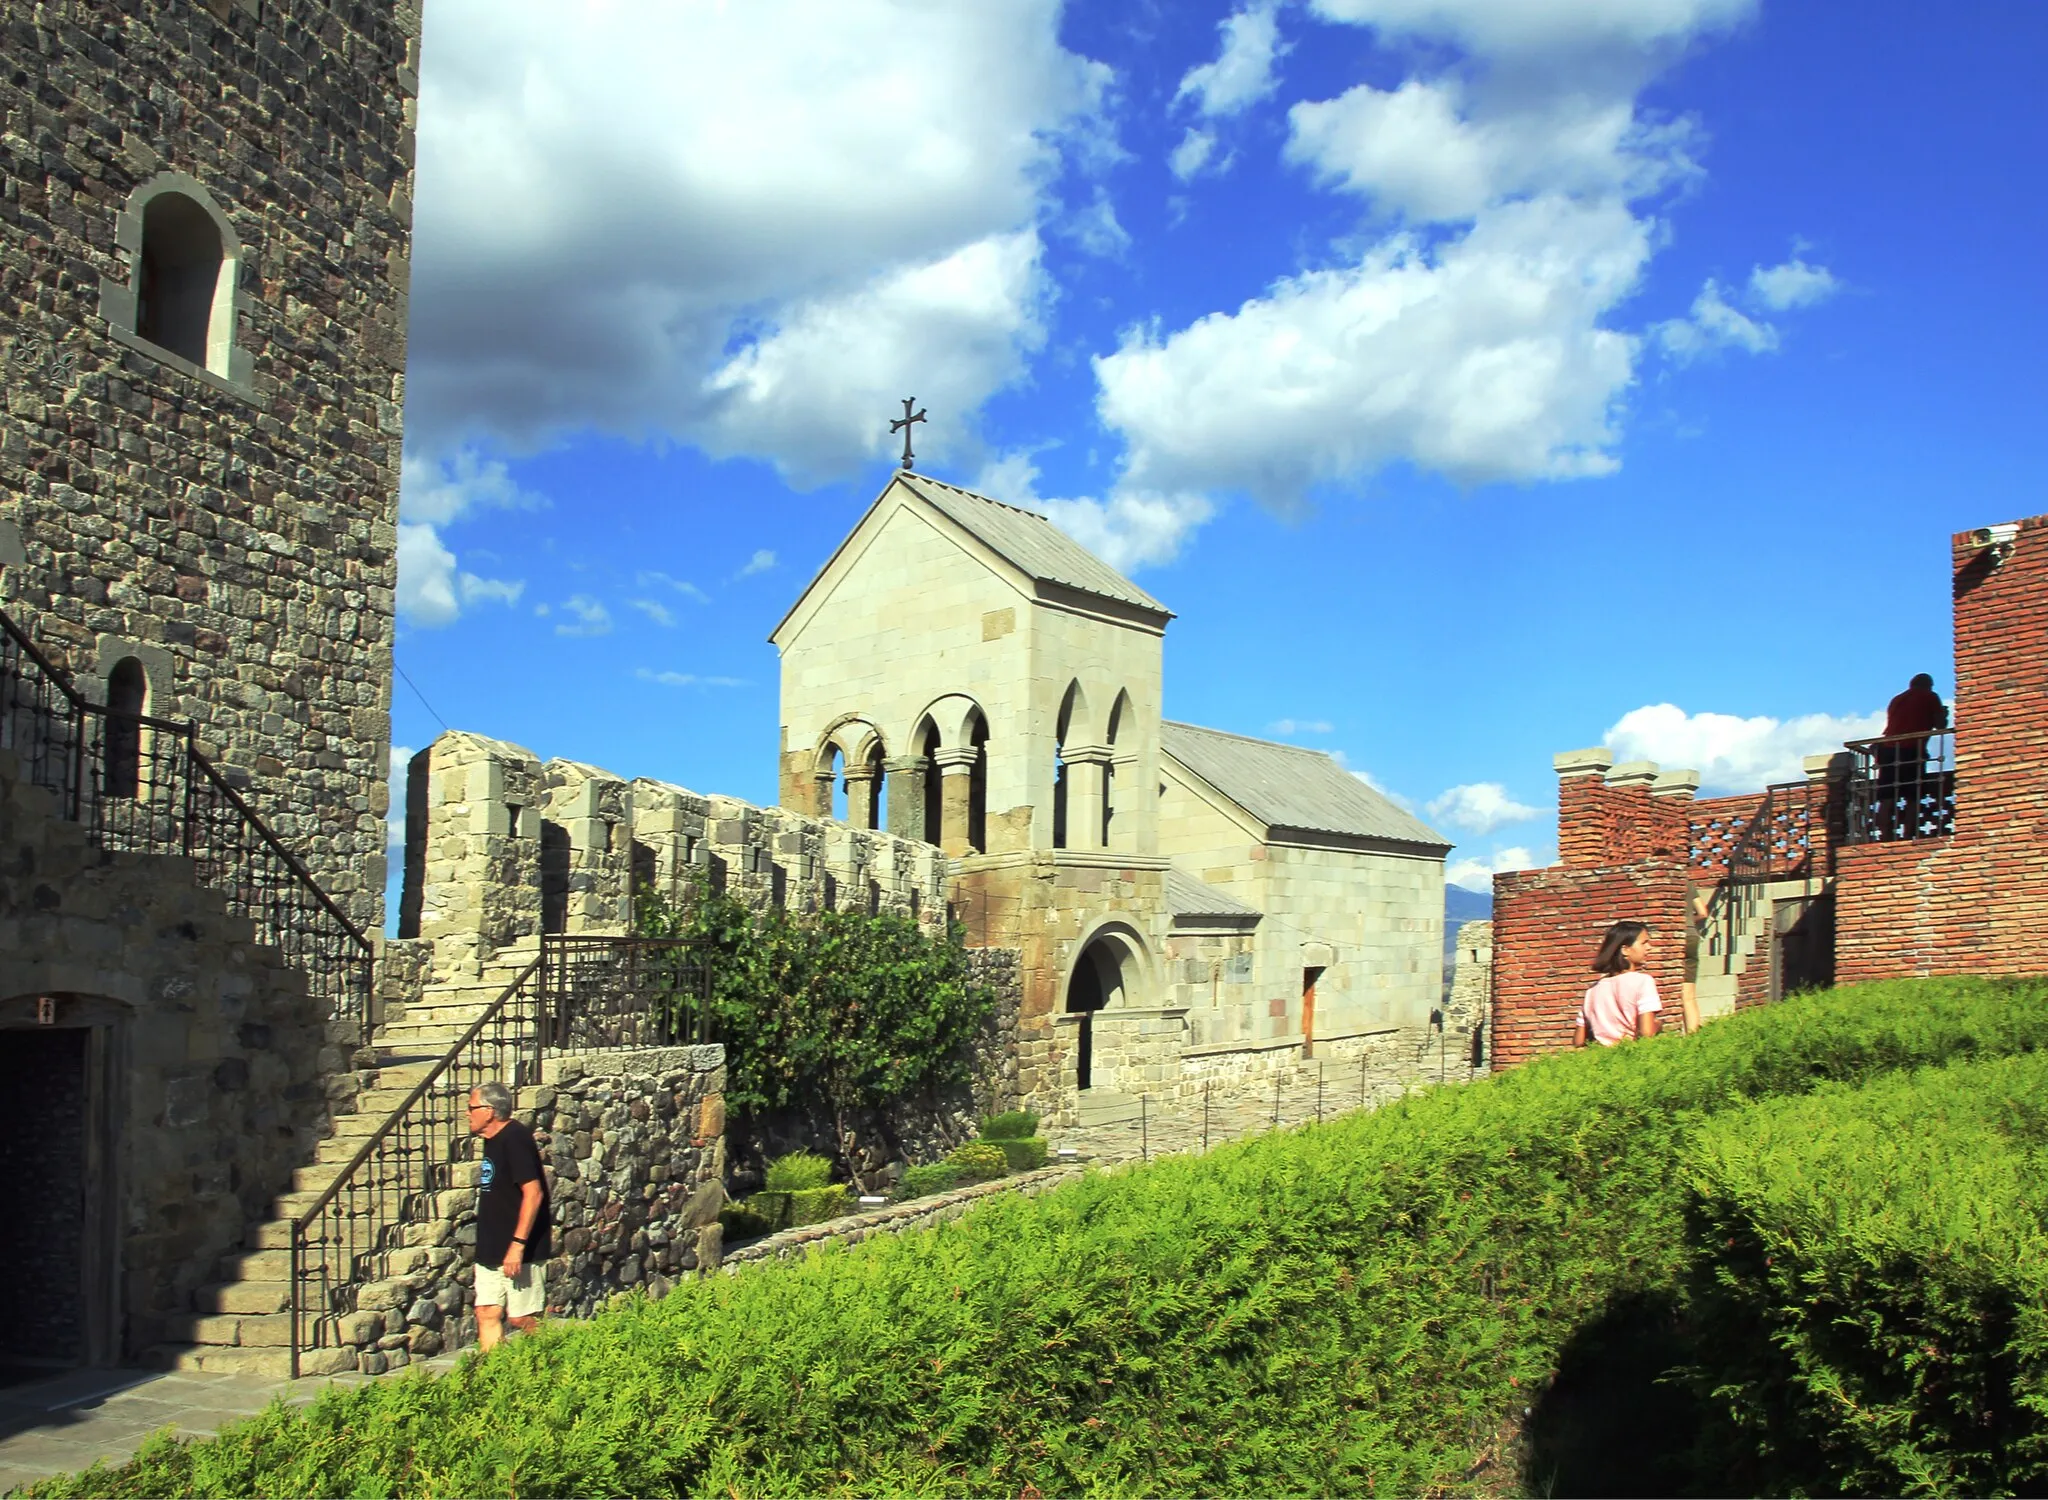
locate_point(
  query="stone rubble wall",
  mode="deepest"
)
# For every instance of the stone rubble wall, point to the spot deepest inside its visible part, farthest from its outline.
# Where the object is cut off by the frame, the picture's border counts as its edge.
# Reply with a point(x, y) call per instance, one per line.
point(634, 1145)
point(237, 538)
point(509, 845)
point(1471, 998)
point(228, 1069)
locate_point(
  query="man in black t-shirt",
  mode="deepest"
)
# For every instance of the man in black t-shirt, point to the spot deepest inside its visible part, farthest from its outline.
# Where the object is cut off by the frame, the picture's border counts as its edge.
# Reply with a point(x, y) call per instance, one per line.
point(511, 1219)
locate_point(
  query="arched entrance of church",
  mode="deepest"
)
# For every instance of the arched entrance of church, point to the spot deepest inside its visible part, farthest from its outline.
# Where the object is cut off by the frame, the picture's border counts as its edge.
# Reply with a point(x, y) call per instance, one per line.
point(1105, 977)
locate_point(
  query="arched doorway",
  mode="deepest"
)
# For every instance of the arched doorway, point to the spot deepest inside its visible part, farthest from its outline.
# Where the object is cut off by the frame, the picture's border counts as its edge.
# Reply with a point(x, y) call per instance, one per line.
point(1104, 976)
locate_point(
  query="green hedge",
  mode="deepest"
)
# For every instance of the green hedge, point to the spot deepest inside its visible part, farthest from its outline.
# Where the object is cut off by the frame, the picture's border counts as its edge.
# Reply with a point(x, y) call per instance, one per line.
point(805, 1206)
point(1017, 1125)
point(1872, 1294)
point(1360, 1307)
point(1022, 1154)
point(932, 1177)
point(979, 1161)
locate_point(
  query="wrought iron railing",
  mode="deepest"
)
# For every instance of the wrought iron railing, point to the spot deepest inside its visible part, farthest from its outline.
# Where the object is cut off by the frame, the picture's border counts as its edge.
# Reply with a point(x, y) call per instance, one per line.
point(139, 784)
point(583, 994)
point(1902, 786)
point(1779, 839)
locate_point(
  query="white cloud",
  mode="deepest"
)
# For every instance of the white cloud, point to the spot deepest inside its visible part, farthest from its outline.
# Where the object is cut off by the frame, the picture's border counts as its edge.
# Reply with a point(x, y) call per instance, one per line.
point(1095, 229)
point(1129, 528)
point(426, 577)
point(1192, 154)
point(1713, 325)
point(1483, 360)
point(394, 816)
point(816, 390)
point(1793, 284)
point(686, 679)
point(656, 611)
point(1428, 152)
point(431, 590)
point(1475, 872)
point(1242, 73)
point(760, 562)
point(1510, 28)
point(1733, 753)
point(438, 491)
point(592, 618)
point(1480, 807)
point(1300, 726)
point(703, 220)
point(649, 576)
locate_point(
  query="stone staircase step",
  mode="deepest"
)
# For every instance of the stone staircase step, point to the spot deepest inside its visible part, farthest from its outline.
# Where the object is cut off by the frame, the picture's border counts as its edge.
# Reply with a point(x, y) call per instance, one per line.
point(236, 1330)
point(244, 1297)
point(1098, 1107)
point(257, 1265)
point(274, 1364)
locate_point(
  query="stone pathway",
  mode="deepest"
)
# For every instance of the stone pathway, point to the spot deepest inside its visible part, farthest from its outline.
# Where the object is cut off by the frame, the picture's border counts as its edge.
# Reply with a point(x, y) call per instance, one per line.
point(65, 1423)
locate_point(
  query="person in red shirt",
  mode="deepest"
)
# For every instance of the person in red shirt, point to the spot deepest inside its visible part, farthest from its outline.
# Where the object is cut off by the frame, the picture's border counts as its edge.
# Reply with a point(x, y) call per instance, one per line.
point(1902, 753)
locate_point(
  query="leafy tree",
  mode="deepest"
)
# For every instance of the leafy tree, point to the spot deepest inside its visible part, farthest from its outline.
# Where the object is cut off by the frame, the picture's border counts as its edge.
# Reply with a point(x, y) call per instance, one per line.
point(836, 1014)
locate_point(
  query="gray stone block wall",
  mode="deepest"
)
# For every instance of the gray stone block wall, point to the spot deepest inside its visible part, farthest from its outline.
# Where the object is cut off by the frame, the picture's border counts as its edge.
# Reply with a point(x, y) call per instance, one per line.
point(634, 1147)
point(215, 1064)
point(243, 526)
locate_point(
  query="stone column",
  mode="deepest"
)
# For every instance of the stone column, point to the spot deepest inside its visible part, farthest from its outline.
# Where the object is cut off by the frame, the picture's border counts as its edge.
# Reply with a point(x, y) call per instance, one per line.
point(906, 795)
point(956, 786)
point(1124, 792)
point(860, 796)
point(821, 795)
point(1087, 786)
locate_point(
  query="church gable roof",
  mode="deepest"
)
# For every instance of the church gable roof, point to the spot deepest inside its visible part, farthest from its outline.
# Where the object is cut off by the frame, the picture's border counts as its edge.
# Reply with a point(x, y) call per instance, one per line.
point(1285, 786)
point(1029, 542)
point(1189, 897)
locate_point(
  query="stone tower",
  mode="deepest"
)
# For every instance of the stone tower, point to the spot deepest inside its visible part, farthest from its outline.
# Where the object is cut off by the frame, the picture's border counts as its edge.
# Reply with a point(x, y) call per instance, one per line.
point(205, 216)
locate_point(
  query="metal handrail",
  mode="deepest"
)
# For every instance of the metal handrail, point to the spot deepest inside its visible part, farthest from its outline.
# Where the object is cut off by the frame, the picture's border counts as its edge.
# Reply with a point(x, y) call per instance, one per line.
point(346, 1176)
point(84, 798)
point(1907, 794)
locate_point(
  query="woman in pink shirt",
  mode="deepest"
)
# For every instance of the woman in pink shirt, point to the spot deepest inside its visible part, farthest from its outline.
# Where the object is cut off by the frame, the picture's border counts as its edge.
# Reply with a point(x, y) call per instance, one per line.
point(1624, 1005)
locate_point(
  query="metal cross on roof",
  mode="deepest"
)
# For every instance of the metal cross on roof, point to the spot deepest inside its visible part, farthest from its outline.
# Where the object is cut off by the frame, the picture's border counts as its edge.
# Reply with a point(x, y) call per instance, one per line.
point(902, 423)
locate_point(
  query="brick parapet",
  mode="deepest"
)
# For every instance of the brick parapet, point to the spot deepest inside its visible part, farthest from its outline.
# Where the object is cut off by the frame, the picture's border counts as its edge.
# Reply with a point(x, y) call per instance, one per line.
point(1548, 924)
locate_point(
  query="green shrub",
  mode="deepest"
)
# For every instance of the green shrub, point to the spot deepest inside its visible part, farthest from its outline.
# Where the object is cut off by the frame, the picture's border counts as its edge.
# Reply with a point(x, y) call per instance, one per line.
point(742, 1221)
point(815, 1205)
point(797, 1172)
point(1021, 1155)
point(979, 1161)
point(932, 1177)
point(1872, 1278)
point(1360, 1307)
point(1017, 1125)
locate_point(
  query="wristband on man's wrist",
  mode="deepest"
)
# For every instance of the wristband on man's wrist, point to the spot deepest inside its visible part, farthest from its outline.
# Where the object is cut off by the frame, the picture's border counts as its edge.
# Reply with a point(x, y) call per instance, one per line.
point(518, 1239)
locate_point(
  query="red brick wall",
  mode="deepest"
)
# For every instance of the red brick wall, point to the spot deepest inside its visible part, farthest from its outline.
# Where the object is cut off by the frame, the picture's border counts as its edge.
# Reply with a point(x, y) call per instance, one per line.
point(1547, 925)
point(1975, 903)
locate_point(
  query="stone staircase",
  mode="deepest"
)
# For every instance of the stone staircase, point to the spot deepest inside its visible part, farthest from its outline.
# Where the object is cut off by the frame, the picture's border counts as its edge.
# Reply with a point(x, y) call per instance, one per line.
point(1101, 1107)
point(242, 1323)
point(1726, 950)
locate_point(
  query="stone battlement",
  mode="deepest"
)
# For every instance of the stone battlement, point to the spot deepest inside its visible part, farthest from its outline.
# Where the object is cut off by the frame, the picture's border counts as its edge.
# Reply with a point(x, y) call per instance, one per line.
point(502, 846)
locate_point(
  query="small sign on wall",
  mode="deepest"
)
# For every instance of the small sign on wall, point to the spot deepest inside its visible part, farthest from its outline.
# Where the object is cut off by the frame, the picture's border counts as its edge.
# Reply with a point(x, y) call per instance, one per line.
point(46, 1010)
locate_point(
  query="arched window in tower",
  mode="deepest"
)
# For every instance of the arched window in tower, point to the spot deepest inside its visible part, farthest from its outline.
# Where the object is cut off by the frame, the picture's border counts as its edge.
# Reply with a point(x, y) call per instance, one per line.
point(181, 266)
point(1119, 715)
point(127, 702)
point(1061, 791)
point(877, 809)
point(185, 266)
point(934, 795)
point(832, 784)
point(977, 788)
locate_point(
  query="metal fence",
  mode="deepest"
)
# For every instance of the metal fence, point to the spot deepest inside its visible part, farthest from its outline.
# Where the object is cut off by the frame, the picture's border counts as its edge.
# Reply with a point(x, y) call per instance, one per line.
point(1902, 786)
point(139, 784)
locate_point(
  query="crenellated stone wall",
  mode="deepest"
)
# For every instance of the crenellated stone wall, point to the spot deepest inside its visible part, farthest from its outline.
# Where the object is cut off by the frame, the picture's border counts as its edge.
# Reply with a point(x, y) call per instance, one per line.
point(503, 847)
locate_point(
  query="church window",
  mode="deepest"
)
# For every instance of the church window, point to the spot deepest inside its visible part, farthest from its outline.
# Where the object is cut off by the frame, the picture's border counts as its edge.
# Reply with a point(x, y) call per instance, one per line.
point(977, 790)
point(181, 266)
point(934, 804)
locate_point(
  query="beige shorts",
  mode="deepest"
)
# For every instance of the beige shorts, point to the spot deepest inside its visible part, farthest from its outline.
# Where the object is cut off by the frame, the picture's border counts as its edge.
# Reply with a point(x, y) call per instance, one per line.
point(522, 1296)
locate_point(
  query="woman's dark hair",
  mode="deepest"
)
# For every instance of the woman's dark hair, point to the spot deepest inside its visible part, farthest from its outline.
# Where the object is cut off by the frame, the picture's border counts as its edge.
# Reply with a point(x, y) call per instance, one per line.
point(1621, 935)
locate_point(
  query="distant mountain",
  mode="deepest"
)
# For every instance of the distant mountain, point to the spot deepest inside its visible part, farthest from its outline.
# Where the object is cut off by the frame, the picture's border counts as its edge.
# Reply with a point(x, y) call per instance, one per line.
point(1461, 905)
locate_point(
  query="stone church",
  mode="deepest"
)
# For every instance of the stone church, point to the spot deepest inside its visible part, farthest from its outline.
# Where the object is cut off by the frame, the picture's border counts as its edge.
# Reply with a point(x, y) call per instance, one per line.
point(1187, 904)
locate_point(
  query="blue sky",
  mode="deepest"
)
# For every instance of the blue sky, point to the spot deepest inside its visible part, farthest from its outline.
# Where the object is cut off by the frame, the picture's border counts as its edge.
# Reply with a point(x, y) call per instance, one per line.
point(1476, 379)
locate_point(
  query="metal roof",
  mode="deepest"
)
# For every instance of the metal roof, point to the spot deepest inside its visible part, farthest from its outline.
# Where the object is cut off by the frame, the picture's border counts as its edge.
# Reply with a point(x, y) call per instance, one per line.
point(1030, 542)
point(1189, 897)
point(1285, 786)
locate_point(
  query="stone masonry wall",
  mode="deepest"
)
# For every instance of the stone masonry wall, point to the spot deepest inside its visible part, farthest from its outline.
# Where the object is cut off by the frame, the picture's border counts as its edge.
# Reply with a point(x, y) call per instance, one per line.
point(237, 533)
point(509, 846)
point(220, 1068)
point(1469, 1010)
point(634, 1148)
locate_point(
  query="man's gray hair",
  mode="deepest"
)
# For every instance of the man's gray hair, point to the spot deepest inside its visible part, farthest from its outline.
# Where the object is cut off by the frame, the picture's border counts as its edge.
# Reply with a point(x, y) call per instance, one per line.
point(498, 1097)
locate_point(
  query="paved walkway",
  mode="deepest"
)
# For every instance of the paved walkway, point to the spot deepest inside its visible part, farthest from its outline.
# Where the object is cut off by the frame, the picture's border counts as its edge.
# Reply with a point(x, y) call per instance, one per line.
point(67, 1422)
